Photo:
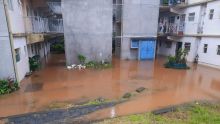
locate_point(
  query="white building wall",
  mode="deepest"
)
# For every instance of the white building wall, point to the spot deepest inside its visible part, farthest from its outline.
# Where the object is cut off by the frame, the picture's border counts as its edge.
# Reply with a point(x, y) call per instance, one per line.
point(23, 64)
point(191, 27)
point(212, 27)
point(210, 58)
point(164, 51)
point(17, 26)
point(195, 1)
point(16, 17)
point(193, 49)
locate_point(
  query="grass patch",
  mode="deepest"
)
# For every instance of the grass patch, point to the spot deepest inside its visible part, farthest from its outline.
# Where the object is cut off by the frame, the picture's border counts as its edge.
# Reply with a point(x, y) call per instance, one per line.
point(64, 105)
point(204, 113)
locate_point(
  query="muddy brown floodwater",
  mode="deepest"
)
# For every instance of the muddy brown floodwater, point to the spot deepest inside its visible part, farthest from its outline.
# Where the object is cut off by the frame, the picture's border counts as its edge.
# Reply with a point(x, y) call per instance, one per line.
point(54, 83)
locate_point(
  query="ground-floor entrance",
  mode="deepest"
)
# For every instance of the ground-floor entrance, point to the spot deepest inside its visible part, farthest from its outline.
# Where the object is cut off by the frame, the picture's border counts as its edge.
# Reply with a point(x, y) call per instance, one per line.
point(147, 49)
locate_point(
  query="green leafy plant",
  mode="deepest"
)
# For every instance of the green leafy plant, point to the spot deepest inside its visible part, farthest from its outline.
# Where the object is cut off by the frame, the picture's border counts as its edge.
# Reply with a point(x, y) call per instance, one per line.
point(82, 59)
point(178, 61)
point(34, 62)
point(59, 47)
point(8, 86)
point(98, 65)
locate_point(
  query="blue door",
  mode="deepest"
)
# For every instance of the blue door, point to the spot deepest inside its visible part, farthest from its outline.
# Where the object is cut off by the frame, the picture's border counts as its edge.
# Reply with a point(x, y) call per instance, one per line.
point(147, 49)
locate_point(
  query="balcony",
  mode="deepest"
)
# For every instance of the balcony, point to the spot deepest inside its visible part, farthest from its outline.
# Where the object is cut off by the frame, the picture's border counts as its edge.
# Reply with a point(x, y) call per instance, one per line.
point(171, 29)
point(172, 2)
point(39, 25)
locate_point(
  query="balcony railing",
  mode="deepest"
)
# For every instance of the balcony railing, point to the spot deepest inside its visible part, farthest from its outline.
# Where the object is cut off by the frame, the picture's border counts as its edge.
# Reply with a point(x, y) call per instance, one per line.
point(55, 7)
point(172, 2)
point(171, 28)
point(36, 24)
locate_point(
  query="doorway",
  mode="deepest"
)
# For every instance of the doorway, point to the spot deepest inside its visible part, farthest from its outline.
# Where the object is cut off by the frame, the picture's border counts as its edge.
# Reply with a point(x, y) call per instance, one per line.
point(178, 46)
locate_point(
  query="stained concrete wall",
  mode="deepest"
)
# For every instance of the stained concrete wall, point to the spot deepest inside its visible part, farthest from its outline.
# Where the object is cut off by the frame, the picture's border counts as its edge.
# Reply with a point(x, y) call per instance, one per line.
point(140, 19)
point(6, 61)
point(88, 29)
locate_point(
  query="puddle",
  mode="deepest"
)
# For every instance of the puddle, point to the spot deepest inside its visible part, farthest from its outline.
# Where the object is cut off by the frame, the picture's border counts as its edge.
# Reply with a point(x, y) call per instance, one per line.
point(165, 87)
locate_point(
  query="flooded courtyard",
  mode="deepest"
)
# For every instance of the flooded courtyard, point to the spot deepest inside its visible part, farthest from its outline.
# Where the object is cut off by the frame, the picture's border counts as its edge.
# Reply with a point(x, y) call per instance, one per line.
point(164, 87)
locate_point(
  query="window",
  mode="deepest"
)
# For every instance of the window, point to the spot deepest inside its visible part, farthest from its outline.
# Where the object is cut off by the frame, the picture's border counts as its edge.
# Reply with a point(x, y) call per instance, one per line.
point(187, 46)
point(205, 49)
point(134, 43)
point(218, 50)
point(183, 18)
point(191, 17)
point(17, 54)
point(211, 14)
point(172, 19)
point(168, 44)
point(10, 4)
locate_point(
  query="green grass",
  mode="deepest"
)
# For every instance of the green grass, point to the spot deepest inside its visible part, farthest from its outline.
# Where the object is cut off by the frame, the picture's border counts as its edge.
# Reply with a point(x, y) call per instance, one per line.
point(187, 114)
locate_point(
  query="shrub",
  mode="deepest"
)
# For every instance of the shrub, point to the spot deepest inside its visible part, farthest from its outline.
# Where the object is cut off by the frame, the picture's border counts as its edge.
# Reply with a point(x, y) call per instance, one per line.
point(34, 62)
point(98, 65)
point(8, 86)
point(82, 59)
point(178, 61)
point(58, 48)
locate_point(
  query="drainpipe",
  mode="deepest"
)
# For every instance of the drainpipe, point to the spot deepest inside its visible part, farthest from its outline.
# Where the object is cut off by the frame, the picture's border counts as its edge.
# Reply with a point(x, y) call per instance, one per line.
point(11, 40)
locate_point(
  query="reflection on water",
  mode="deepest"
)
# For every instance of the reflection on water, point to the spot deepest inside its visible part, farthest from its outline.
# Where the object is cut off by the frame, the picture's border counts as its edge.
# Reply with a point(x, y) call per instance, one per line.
point(54, 83)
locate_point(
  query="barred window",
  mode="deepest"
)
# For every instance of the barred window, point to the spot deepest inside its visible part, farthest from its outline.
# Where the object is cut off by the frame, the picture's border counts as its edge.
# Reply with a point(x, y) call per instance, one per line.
point(191, 17)
point(187, 46)
point(205, 49)
point(218, 50)
point(211, 14)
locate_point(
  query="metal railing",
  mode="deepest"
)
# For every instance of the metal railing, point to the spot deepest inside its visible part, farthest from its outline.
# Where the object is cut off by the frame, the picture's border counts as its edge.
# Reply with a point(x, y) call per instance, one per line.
point(171, 28)
point(172, 2)
point(56, 25)
point(37, 24)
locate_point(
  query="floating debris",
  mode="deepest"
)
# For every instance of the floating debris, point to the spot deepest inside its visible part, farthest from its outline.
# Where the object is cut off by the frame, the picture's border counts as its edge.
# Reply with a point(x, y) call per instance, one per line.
point(127, 95)
point(141, 89)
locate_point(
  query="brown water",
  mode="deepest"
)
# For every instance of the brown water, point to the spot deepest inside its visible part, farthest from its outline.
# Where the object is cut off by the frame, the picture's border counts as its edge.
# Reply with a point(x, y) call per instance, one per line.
point(166, 87)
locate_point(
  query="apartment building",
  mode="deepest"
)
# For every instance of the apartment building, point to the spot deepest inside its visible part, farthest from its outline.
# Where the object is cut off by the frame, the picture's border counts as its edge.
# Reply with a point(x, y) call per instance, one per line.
point(135, 28)
point(193, 25)
point(27, 26)
point(96, 28)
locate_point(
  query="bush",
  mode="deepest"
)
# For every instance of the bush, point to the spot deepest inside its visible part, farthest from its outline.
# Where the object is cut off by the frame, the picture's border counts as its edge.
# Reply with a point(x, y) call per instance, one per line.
point(98, 65)
point(8, 86)
point(58, 48)
point(178, 61)
point(34, 62)
point(82, 59)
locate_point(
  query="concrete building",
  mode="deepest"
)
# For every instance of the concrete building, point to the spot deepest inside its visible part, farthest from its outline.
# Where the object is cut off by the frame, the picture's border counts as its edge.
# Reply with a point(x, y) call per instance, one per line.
point(88, 29)
point(101, 29)
point(193, 25)
point(24, 30)
point(135, 28)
